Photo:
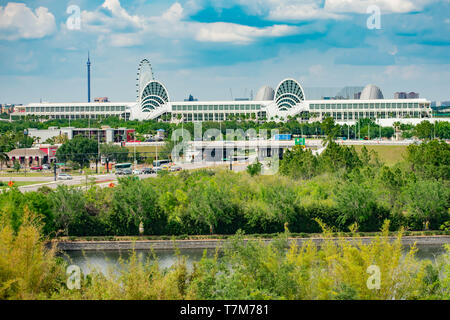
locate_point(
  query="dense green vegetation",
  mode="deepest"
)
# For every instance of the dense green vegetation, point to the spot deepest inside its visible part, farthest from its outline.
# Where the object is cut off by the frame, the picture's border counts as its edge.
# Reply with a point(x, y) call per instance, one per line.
point(346, 190)
point(364, 127)
point(252, 270)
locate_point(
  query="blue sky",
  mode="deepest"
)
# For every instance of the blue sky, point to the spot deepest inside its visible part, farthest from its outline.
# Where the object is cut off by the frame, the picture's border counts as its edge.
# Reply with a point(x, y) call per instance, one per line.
point(206, 48)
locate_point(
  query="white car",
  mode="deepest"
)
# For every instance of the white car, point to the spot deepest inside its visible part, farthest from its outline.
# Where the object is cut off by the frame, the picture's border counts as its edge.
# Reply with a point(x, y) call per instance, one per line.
point(137, 171)
point(64, 176)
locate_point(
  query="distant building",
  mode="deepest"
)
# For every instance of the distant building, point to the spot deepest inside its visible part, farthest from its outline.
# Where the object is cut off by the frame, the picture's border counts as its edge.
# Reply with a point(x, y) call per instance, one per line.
point(7, 108)
point(101, 99)
point(265, 93)
point(405, 95)
point(191, 98)
point(400, 95)
point(348, 92)
point(104, 134)
point(371, 92)
point(27, 157)
point(357, 96)
point(160, 134)
point(289, 100)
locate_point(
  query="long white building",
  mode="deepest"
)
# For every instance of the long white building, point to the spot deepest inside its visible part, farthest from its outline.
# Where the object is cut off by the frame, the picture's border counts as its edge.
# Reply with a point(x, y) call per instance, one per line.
point(287, 101)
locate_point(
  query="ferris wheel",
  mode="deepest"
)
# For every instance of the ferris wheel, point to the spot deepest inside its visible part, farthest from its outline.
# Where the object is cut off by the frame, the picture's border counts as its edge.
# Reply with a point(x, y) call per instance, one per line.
point(144, 76)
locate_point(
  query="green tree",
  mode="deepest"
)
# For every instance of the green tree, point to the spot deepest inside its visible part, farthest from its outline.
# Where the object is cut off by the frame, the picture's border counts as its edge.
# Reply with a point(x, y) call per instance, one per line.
point(428, 203)
point(299, 163)
point(255, 168)
point(424, 130)
point(114, 153)
point(80, 149)
point(430, 160)
point(337, 157)
point(357, 203)
point(329, 128)
point(134, 201)
point(16, 166)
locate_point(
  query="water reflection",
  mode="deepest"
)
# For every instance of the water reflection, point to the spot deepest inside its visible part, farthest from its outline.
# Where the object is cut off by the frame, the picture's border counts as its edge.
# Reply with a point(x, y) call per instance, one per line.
point(104, 260)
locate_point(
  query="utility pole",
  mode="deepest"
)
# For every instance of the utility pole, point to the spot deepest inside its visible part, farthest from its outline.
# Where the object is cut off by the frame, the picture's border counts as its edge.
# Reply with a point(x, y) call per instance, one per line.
point(25, 133)
point(98, 152)
point(380, 129)
point(134, 150)
point(434, 129)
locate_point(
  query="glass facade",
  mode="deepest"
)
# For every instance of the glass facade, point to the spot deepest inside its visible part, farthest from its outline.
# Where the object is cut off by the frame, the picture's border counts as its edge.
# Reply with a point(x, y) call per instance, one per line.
point(78, 111)
point(375, 110)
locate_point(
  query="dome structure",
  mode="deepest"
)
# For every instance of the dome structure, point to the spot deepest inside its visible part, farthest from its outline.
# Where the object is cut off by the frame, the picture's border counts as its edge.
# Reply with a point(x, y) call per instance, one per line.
point(266, 93)
point(371, 92)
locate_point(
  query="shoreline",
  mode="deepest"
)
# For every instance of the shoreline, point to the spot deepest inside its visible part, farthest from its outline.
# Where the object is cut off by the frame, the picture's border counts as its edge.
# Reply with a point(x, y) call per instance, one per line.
point(218, 243)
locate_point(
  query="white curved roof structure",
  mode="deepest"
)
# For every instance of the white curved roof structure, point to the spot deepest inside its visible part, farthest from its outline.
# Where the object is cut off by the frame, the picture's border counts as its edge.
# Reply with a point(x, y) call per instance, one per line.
point(371, 92)
point(265, 93)
point(288, 94)
point(153, 96)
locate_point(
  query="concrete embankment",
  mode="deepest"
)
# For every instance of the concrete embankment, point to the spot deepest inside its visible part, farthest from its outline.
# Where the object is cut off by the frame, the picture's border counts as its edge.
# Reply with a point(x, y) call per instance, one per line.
point(212, 243)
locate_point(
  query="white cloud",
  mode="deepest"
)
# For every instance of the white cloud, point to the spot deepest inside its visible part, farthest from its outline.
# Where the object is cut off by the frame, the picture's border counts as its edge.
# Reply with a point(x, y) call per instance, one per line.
point(300, 11)
point(17, 21)
point(229, 32)
point(316, 70)
point(304, 10)
point(120, 29)
point(387, 6)
point(410, 72)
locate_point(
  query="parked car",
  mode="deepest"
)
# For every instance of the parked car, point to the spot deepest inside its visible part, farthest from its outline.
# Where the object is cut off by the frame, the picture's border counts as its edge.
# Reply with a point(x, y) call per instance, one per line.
point(147, 171)
point(64, 176)
point(124, 172)
point(36, 168)
point(46, 166)
point(175, 168)
point(157, 169)
point(137, 171)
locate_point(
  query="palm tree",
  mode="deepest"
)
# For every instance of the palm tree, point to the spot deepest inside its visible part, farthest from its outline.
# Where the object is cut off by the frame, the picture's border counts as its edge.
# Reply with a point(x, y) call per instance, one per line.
point(3, 159)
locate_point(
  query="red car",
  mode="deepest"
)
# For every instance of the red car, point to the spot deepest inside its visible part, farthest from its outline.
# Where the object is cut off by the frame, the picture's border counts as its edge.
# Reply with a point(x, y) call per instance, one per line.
point(39, 168)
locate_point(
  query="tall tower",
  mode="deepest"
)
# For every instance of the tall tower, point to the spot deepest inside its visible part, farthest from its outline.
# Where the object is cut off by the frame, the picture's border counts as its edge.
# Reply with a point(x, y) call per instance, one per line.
point(89, 78)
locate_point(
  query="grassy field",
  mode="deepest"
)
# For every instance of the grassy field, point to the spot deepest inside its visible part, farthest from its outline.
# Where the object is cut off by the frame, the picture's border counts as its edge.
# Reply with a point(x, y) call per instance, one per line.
point(145, 149)
point(388, 154)
point(20, 184)
point(29, 174)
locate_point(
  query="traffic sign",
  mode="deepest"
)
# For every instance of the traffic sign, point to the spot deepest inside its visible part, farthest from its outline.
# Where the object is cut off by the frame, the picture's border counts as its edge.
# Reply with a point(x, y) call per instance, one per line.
point(300, 141)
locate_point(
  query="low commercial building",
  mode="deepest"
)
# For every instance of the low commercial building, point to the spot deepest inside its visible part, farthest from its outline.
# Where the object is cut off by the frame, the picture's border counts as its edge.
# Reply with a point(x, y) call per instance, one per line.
point(92, 110)
point(103, 135)
point(27, 157)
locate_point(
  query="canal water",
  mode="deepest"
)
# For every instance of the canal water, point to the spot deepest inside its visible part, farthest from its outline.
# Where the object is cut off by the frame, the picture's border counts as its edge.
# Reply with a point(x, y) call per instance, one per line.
point(105, 260)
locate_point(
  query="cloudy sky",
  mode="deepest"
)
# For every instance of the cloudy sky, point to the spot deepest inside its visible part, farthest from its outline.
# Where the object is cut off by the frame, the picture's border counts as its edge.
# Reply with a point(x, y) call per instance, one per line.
point(206, 48)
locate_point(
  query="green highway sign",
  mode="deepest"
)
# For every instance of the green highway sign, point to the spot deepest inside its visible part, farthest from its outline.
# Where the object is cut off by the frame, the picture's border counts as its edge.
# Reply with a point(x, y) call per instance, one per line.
point(300, 141)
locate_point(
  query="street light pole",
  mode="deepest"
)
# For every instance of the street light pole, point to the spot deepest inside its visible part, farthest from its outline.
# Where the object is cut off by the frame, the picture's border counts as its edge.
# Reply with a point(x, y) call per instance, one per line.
point(25, 133)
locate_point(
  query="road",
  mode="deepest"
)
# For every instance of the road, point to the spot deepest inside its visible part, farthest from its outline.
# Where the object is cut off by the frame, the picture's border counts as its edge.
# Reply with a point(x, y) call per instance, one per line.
point(104, 180)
